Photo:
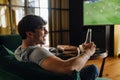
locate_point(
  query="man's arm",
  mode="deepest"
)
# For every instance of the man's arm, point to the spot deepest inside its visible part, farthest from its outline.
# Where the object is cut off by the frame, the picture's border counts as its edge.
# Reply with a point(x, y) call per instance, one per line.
point(57, 65)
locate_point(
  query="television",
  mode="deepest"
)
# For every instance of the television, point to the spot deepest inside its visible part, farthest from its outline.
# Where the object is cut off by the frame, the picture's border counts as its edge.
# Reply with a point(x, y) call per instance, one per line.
point(101, 12)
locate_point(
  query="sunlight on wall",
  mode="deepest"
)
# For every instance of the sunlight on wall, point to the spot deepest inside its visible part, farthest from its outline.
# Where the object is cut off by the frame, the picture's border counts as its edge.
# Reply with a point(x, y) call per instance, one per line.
point(116, 40)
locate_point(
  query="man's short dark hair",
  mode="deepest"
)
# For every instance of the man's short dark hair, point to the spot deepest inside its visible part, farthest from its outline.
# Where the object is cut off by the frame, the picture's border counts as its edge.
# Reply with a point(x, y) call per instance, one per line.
point(30, 23)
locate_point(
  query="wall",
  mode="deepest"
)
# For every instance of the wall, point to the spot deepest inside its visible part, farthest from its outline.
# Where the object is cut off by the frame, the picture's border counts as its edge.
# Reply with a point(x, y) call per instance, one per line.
point(76, 21)
point(116, 40)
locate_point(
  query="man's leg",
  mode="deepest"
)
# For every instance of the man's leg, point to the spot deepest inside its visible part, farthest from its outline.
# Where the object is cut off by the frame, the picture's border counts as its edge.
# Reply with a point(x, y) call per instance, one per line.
point(89, 72)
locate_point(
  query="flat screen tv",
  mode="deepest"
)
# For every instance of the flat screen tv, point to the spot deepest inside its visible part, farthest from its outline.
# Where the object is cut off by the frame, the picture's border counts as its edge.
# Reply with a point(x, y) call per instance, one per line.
point(101, 12)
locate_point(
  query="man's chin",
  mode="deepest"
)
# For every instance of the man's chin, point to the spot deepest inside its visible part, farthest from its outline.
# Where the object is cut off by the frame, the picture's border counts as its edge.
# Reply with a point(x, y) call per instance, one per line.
point(43, 42)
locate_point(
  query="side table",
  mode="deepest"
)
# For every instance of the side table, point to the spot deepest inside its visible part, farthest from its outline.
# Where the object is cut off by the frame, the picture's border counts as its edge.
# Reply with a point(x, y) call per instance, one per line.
point(100, 54)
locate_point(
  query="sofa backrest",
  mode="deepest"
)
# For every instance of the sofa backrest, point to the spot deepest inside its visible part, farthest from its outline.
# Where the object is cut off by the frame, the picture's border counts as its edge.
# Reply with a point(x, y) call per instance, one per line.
point(10, 41)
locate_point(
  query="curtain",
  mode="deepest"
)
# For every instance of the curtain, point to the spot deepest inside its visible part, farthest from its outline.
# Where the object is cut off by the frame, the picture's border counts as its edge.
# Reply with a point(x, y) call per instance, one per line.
point(59, 22)
point(4, 20)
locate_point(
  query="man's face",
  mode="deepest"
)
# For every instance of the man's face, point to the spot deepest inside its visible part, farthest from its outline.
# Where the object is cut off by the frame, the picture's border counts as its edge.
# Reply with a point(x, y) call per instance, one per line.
point(40, 35)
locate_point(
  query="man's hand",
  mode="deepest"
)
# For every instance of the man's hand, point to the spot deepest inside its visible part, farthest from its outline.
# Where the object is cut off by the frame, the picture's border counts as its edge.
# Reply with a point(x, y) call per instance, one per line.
point(88, 48)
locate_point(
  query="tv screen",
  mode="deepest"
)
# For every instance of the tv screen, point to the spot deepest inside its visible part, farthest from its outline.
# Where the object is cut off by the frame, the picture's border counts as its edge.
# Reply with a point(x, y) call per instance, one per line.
point(101, 12)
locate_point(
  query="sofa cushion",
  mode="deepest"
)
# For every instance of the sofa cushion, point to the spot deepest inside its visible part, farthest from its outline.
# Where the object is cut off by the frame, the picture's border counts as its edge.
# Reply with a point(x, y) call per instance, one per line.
point(29, 71)
point(10, 41)
point(4, 75)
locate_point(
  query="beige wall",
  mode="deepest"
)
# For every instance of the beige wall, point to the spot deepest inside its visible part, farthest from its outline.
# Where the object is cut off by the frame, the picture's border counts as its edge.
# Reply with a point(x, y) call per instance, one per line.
point(116, 40)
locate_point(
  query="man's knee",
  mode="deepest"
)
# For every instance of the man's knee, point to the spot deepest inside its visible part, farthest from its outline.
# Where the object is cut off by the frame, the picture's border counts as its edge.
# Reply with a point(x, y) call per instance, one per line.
point(89, 72)
point(94, 69)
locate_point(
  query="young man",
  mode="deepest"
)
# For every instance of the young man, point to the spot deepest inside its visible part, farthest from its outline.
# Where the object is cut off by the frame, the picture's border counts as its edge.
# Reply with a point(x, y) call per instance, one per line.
point(32, 31)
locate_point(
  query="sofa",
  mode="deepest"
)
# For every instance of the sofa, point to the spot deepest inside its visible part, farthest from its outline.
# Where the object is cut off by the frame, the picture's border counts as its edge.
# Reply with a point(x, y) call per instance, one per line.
point(11, 69)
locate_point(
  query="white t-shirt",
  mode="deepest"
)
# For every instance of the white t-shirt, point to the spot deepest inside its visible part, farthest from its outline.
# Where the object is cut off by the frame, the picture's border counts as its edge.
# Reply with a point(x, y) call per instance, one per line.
point(35, 54)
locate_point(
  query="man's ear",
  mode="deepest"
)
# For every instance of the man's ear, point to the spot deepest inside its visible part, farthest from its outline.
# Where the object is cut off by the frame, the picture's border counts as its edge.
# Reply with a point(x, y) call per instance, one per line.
point(29, 34)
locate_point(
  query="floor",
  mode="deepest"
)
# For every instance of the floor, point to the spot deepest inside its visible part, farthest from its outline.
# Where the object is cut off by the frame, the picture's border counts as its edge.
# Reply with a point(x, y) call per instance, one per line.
point(111, 67)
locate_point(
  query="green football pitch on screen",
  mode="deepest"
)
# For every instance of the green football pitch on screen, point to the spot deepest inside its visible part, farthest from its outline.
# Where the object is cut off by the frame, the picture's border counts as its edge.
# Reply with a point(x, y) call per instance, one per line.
point(101, 12)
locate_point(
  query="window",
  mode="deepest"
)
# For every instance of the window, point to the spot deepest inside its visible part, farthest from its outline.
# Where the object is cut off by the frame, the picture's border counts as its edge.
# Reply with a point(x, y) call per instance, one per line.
point(3, 23)
point(11, 12)
point(59, 22)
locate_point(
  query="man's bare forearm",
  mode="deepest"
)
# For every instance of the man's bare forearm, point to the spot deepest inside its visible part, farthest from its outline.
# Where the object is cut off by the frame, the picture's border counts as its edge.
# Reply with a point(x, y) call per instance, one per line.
point(78, 62)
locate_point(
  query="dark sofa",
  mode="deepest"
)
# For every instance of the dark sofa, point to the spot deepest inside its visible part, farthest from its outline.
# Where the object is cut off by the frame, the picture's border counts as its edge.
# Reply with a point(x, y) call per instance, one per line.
point(11, 69)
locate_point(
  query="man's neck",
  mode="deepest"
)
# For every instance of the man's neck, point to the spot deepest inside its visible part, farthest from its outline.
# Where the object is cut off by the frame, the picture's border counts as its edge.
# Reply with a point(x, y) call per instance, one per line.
point(27, 43)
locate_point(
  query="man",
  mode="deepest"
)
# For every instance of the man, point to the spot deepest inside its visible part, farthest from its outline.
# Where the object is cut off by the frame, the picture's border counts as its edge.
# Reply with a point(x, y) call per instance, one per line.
point(32, 31)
